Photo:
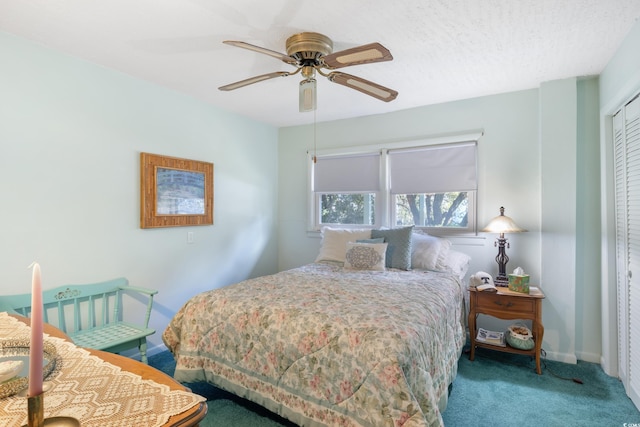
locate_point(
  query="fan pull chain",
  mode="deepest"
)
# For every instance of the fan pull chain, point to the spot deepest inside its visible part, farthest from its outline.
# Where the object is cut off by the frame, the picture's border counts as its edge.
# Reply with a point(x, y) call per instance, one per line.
point(315, 159)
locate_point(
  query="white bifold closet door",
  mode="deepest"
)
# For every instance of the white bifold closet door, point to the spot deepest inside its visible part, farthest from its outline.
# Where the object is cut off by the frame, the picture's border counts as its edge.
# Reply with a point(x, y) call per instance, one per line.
point(626, 127)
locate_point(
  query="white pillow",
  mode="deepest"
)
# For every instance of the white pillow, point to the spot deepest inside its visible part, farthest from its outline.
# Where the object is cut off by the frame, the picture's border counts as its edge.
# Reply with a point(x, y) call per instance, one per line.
point(365, 256)
point(456, 263)
point(427, 252)
point(334, 242)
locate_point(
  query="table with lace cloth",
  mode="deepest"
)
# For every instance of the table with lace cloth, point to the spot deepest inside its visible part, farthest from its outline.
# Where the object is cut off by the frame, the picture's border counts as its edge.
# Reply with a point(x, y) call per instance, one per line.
point(95, 392)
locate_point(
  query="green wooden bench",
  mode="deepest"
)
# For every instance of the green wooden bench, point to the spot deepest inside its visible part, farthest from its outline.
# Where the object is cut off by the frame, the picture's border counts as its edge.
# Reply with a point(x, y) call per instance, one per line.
point(91, 314)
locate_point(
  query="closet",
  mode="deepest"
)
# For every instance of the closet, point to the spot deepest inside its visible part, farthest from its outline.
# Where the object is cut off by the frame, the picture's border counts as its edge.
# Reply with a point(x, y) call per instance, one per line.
point(626, 128)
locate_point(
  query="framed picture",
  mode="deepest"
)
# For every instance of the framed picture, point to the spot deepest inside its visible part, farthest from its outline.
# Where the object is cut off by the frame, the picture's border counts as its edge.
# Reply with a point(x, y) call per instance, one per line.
point(175, 192)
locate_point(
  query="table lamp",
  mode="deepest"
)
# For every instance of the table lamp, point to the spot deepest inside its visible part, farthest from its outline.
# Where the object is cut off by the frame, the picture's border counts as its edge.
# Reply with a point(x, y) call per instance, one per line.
point(502, 224)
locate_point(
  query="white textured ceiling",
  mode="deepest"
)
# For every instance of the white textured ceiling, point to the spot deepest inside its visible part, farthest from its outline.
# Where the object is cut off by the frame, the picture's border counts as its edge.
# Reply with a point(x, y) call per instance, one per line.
point(443, 50)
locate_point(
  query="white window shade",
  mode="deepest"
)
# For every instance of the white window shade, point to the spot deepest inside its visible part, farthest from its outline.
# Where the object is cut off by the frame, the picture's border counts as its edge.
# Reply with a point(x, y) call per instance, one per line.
point(434, 169)
point(350, 173)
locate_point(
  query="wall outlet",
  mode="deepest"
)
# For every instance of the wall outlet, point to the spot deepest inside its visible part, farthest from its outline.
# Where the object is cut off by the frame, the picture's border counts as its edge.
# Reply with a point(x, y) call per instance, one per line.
point(190, 238)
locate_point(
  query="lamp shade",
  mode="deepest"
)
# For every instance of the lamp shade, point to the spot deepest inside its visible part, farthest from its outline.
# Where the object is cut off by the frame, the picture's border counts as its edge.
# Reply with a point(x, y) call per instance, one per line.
point(502, 224)
point(307, 95)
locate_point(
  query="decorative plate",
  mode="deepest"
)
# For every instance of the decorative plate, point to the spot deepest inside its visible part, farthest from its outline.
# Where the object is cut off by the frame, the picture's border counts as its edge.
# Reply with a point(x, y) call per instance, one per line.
point(17, 349)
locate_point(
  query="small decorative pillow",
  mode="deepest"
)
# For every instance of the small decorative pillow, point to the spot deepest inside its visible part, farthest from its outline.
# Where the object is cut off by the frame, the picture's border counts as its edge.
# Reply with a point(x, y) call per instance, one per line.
point(334, 240)
point(365, 256)
point(399, 246)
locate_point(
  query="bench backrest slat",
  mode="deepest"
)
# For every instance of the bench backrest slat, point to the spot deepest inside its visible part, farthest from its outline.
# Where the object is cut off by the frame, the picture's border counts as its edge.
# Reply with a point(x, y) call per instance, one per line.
point(88, 305)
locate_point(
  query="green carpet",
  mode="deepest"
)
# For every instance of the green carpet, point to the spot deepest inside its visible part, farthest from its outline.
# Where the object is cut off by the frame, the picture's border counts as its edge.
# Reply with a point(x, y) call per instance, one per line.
point(496, 390)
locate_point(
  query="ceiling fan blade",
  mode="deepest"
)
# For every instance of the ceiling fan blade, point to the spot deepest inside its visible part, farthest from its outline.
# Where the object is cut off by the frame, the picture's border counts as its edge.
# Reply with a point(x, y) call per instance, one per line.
point(366, 54)
point(365, 86)
point(281, 56)
point(253, 80)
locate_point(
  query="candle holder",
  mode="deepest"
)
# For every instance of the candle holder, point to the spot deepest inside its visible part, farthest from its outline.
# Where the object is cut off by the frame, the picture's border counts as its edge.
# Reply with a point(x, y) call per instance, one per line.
point(35, 410)
point(35, 415)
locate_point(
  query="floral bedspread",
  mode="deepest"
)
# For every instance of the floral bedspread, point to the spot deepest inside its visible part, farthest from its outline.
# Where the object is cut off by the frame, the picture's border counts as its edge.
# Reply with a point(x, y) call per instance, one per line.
point(322, 345)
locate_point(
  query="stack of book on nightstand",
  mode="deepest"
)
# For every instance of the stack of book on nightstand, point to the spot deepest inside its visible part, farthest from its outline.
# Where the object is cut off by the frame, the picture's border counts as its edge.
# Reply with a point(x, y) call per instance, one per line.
point(491, 337)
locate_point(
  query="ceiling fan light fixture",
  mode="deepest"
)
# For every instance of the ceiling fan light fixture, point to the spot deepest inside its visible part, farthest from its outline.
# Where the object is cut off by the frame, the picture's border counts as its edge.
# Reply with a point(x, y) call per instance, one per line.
point(307, 95)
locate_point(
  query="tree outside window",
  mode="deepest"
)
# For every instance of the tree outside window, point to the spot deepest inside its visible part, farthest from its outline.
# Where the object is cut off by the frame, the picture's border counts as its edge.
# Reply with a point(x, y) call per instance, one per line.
point(432, 210)
point(348, 208)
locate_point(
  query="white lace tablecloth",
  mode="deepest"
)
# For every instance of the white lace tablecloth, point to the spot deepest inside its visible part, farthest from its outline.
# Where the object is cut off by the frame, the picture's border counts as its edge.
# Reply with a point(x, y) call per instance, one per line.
point(93, 391)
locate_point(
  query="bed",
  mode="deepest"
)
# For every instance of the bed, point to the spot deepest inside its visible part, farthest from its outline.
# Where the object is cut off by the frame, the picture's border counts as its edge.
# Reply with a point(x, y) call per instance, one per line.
point(330, 343)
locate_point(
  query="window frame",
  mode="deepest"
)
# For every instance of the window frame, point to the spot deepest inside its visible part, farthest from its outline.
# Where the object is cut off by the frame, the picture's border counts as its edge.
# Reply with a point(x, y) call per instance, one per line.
point(385, 201)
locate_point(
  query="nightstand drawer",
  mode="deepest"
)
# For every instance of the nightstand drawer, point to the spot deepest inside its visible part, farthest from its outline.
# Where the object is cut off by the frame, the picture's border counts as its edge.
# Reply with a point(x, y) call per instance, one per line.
point(505, 304)
point(491, 301)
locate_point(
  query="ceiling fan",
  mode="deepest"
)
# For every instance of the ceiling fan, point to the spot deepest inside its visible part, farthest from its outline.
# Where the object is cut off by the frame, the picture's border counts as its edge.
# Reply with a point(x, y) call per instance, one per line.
point(310, 52)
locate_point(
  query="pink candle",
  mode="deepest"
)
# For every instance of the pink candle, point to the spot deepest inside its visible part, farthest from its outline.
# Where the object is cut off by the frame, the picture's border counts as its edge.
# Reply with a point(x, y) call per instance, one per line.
point(36, 352)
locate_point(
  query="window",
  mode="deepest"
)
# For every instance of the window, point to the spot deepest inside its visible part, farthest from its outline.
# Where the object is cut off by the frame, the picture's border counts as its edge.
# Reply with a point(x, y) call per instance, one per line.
point(434, 186)
point(429, 184)
point(358, 208)
point(345, 188)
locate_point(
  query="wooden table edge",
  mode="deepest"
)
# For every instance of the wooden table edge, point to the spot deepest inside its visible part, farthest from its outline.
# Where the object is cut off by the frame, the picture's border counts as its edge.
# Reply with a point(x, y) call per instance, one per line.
point(538, 293)
point(188, 418)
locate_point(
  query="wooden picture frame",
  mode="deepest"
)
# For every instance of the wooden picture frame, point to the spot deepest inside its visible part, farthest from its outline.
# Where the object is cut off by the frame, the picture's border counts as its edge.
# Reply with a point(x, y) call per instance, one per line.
point(175, 192)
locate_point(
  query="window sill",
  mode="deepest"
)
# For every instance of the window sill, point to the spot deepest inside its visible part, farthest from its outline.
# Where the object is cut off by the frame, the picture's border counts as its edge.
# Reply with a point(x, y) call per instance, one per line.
point(456, 239)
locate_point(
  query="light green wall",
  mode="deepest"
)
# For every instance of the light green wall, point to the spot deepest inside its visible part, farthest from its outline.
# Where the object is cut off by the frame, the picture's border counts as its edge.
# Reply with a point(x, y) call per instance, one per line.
point(512, 162)
point(588, 253)
point(70, 137)
point(621, 76)
point(510, 125)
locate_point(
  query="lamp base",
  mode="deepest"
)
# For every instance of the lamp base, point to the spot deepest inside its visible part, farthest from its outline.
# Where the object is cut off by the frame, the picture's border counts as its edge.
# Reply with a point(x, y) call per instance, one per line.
point(501, 281)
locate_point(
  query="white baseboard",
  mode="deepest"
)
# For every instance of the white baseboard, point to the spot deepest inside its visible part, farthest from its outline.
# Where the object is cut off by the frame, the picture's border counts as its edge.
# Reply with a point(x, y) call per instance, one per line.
point(561, 357)
point(608, 369)
point(588, 357)
point(151, 351)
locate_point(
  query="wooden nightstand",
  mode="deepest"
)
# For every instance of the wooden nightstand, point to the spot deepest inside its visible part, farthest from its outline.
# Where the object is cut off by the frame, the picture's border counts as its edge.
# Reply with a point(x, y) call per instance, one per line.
point(506, 304)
